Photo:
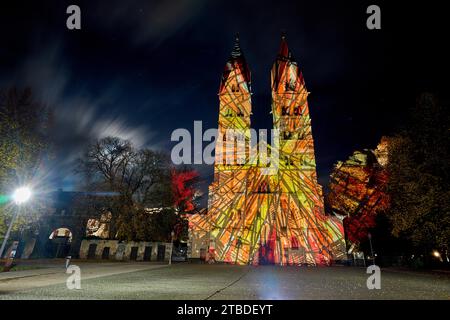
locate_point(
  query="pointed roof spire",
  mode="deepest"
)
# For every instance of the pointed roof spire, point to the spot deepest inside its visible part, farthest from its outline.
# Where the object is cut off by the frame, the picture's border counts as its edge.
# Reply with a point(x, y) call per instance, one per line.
point(284, 52)
point(237, 48)
point(236, 62)
point(285, 61)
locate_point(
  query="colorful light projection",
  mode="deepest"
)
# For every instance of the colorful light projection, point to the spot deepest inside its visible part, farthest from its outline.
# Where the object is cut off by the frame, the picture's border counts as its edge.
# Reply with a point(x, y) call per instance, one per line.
point(255, 218)
point(358, 190)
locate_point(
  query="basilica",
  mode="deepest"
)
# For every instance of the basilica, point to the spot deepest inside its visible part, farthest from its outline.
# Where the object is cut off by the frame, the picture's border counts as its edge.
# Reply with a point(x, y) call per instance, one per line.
point(259, 217)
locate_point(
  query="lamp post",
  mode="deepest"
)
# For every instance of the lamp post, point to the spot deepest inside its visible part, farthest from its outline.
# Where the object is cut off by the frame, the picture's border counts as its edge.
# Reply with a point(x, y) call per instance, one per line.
point(20, 196)
point(172, 234)
point(369, 235)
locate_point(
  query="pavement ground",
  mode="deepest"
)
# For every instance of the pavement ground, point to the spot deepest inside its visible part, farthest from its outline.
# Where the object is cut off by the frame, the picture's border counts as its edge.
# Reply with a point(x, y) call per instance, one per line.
point(183, 281)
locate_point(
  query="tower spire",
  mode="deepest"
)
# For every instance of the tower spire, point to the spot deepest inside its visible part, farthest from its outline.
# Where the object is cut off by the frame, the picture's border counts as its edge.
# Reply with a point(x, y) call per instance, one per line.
point(237, 52)
point(285, 70)
point(236, 66)
point(284, 52)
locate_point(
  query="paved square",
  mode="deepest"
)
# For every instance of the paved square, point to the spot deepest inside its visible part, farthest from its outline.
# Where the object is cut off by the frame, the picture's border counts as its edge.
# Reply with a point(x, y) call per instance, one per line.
point(198, 281)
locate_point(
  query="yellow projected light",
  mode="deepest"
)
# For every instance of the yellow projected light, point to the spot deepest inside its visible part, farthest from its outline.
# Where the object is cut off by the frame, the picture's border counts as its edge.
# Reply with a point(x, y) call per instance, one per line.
point(254, 218)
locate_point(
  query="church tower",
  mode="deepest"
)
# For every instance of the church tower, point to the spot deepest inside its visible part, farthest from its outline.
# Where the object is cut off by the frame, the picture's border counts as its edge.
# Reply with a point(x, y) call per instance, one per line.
point(254, 217)
point(235, 108)
point(306, 233)
point(227, 193)
point(291, 114)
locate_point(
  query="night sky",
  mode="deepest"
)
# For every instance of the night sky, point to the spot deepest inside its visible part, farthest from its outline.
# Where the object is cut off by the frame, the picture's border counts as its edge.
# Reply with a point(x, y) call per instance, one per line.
point(140, 69)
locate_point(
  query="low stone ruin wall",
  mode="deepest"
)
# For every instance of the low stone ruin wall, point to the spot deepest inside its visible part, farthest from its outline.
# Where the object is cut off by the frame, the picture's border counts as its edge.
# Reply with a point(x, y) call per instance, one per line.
point(125, 250)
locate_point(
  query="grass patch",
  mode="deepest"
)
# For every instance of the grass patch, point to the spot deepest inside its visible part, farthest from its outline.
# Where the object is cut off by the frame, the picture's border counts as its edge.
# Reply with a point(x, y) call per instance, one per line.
point(21, 268)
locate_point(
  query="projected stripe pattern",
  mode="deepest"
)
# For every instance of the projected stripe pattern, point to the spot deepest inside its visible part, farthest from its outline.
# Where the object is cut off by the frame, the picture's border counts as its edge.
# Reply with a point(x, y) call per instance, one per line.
point(255, 218)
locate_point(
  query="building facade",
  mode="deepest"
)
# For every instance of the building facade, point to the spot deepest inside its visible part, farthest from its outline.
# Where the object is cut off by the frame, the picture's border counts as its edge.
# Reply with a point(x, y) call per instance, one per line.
point(255, 215)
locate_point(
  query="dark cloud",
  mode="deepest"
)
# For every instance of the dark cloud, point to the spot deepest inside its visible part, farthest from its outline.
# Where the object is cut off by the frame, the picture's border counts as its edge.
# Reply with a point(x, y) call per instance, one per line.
point(140, 69)
point(79, 116)
point(146, 22)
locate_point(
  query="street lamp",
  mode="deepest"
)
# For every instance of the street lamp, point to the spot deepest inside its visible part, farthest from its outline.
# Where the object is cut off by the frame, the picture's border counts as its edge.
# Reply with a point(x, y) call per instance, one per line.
point(437, 255)
point(369, 235)
point(172, 234)
point(20, 196)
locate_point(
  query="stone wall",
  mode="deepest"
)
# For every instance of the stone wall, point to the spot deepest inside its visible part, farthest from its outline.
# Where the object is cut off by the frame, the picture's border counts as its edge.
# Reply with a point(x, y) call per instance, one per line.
point(125, 250)
point(199, 235)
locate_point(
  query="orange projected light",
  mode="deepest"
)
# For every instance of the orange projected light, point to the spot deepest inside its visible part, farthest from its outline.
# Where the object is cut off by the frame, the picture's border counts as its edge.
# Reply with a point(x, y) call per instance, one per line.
point(254, 218)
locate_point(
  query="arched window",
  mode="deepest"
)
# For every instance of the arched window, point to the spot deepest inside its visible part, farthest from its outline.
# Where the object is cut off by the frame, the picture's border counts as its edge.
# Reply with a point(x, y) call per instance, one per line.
point(287, 135)
point(294, 243)
point(288, 161)
point(287, 87)
point(264, 187)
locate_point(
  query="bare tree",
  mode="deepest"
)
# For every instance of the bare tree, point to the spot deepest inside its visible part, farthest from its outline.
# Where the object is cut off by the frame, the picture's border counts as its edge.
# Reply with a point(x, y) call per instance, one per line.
point(130, 177)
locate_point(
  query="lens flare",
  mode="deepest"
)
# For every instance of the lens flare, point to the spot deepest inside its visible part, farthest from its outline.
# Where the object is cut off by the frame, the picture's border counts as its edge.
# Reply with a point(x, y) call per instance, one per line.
point(22, 195)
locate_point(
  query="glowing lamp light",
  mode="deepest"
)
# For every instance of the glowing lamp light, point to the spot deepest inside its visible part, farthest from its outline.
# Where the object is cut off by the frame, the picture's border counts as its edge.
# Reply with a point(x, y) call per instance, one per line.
point(21, 195)
point(436, 254)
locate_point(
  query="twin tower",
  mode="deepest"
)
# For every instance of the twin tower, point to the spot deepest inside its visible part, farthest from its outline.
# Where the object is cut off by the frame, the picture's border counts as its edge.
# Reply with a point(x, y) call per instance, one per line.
point(253, 217)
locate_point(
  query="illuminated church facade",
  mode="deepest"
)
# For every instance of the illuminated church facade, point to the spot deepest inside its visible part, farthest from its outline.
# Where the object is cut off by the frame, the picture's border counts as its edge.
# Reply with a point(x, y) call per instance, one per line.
point(259, 218)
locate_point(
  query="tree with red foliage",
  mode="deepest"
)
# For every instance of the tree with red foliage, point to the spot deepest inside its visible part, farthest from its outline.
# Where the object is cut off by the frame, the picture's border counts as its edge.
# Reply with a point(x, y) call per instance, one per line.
point(183, 189)
point(358, 190)
point(184, 195)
